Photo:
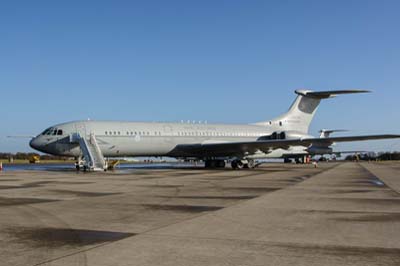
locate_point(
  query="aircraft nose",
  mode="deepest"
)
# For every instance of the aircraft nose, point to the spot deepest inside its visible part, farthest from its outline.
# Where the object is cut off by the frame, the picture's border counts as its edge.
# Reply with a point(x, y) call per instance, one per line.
point(34, 144)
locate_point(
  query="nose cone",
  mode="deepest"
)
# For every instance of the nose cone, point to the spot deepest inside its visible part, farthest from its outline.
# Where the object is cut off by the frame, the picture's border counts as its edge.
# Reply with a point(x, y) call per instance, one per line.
point(37, 144)
point(34, 143)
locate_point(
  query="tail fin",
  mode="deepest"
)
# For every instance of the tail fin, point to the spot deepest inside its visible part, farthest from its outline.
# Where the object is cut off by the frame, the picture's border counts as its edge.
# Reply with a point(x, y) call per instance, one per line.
point(303, 109)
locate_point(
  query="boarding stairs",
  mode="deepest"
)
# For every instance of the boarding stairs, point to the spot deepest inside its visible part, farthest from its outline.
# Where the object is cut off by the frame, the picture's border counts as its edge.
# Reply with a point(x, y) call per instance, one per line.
point(93, 157)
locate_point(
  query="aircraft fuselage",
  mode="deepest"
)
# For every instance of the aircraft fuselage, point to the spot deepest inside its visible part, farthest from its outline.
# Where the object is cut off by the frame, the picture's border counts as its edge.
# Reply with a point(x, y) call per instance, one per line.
point(119, 139)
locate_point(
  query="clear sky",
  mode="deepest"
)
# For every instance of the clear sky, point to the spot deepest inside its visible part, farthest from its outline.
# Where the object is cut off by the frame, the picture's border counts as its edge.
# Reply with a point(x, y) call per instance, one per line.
point(223, 61)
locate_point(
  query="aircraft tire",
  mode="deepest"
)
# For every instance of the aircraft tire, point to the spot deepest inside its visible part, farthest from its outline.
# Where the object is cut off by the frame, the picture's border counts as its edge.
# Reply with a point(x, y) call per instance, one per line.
point(237, 164)
point(234, 164)
point(250, 164)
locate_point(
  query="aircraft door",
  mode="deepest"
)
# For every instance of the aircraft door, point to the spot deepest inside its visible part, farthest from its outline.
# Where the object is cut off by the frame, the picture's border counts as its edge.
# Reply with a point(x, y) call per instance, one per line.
point(81, 129)
point(168, 133)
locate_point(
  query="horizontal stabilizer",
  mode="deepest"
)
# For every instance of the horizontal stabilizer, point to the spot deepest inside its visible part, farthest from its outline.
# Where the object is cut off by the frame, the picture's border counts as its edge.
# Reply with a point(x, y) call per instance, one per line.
point(332, 130)
point(327, 94)
point(325, 133)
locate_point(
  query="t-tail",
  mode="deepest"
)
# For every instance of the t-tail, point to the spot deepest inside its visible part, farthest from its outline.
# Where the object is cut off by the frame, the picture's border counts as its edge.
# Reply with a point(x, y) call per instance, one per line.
point(300, 114)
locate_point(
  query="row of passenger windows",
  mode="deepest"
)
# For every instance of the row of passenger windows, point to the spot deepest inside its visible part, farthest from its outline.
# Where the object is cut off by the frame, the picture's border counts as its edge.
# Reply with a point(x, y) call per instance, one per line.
point(220, 134)
point(131, 133)
point(158, 133)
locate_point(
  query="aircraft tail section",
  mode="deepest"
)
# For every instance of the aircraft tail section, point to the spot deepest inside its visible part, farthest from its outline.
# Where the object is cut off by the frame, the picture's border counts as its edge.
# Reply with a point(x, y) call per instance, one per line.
point(301, 112)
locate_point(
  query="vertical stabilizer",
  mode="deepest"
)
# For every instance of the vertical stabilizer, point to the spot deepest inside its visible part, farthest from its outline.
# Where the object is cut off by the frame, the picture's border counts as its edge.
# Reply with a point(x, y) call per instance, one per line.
point(302, 111)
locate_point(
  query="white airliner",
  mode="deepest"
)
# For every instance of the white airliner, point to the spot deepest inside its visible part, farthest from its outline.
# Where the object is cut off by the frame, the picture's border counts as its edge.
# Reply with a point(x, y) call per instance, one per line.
point(92, 141)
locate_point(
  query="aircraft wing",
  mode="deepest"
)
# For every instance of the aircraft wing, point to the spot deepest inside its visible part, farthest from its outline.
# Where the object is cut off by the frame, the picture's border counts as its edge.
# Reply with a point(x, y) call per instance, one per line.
point(340, 152)
point(251, 147)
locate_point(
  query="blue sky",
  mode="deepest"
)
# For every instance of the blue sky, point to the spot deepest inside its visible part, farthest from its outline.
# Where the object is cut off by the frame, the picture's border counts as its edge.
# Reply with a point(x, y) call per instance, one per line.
point(221, 61)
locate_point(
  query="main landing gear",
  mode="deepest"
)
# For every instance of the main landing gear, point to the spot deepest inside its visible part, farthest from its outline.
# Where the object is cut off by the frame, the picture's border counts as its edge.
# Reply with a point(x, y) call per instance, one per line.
point(240, 164)
point(236, 164)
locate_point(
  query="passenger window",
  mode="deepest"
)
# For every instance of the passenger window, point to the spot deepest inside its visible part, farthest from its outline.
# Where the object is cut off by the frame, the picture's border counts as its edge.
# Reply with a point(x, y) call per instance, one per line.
point(59, 132)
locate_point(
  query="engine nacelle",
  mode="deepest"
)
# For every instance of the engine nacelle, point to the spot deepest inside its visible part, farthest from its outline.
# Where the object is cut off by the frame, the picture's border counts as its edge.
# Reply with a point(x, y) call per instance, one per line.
point(285, 135)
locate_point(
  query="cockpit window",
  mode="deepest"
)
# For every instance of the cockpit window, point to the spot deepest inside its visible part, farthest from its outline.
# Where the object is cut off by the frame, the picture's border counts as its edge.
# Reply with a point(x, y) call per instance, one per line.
point(53, 131)
point(46, 131)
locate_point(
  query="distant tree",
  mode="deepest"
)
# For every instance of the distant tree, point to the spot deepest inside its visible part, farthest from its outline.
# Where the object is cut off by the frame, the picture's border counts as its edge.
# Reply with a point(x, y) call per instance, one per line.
point(28, 155)
point(5, 155)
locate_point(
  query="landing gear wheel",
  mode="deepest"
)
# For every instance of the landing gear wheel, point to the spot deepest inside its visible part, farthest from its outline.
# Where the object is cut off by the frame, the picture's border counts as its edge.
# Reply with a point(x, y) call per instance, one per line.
point(237, 164)
point(234, 164)
point(240, 165)
point(250, 164)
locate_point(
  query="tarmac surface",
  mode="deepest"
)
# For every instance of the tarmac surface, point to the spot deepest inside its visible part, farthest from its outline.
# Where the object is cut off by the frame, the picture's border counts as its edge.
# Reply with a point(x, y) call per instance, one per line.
point(278, 214)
